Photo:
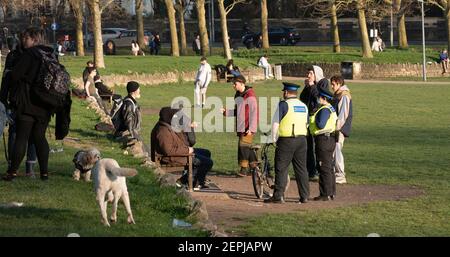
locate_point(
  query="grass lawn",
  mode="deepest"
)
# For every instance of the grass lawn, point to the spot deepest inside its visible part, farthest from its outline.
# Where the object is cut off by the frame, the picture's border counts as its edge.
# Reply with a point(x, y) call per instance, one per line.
point(126, 64)
point(399, 138)
point(62, 206)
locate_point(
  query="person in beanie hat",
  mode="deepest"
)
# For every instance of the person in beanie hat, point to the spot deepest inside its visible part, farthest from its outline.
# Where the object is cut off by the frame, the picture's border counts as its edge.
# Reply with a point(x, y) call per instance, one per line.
point(131, 112)
point(246, 113)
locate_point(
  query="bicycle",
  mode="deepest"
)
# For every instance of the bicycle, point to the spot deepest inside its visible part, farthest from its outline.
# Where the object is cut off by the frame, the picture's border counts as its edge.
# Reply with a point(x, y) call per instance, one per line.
point(262, 179)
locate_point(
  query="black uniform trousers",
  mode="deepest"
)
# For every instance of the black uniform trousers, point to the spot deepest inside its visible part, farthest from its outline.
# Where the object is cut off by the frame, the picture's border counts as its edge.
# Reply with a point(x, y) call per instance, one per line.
point(291, 149)
point(311, 157)
point(324, 153)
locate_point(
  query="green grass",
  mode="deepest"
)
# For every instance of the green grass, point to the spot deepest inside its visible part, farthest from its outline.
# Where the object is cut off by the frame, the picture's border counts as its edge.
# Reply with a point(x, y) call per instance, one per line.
point(121, 64)
point(127, 64)
point(324, 54)
point(399, 138)
point(62, 206)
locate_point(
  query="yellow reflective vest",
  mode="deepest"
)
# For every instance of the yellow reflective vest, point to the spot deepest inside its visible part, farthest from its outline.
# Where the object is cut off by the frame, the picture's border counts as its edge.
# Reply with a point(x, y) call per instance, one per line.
point(295, 122)
point(330, 127)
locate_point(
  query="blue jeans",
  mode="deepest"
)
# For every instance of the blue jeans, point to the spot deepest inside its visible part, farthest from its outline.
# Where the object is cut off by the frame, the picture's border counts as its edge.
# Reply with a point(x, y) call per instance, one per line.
point(202, 164)
point(31, 149)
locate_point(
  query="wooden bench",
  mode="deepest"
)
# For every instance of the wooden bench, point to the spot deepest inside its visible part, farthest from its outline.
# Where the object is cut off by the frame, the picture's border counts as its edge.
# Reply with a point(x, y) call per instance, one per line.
point(174, 168)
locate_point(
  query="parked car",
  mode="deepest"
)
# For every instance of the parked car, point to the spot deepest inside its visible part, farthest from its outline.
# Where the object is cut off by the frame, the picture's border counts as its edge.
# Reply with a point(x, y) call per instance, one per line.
point(107, 34)
point(277, 36)
point(127, 36)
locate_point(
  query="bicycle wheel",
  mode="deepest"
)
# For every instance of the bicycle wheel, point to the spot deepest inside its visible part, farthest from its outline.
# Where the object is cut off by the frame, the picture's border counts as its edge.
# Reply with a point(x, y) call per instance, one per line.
point(267, 179)
point(257, 182)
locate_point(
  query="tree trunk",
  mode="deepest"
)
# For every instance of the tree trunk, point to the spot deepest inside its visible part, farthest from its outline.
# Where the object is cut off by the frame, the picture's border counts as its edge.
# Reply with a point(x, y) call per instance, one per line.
point(224, 26)
point(367, 51)
point(139, 6)
point(264, 26)
point(97, 30)
point(202, 27)
point(335, 29)
point(180, 9)
point(447, 21)
point(78, 13)
point(175, 51)
point(402, 36)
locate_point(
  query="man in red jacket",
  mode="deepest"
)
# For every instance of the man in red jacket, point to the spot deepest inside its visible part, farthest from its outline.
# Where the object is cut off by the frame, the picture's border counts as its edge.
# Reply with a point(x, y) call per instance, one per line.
point(246, 113)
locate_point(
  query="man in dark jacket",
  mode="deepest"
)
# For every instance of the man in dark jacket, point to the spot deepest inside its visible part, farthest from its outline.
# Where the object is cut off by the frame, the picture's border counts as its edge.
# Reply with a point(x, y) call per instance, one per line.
point(32, 115)
point(310, 97)
point(131, 112)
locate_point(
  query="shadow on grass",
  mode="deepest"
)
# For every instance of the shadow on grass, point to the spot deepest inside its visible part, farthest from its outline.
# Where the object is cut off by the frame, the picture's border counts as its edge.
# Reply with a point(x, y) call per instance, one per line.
point(34, 212)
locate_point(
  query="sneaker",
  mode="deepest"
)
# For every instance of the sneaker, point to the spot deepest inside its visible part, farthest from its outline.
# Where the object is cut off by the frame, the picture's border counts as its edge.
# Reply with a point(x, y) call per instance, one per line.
point(9, 176)
point(341, 180)
point(314, 179)
point(200, 187)
point(44, 176)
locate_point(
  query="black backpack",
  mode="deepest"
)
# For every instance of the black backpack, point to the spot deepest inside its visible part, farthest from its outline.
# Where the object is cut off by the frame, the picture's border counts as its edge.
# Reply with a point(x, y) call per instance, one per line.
point(53, 82)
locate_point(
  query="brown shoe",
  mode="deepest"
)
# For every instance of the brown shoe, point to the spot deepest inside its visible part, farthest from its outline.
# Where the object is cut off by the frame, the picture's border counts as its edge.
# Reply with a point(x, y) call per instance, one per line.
point(243, 172)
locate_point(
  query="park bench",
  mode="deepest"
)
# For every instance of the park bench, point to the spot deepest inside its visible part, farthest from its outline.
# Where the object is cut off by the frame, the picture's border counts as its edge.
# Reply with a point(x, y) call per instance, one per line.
point(176, 168)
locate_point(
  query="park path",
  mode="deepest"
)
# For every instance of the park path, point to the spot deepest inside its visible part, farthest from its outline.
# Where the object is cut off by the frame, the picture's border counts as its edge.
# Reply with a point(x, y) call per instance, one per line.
point(236, 203)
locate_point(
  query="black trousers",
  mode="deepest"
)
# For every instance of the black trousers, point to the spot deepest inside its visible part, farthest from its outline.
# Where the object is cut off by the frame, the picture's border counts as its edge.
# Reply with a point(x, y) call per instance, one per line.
point(311, 159)
point(291, 150)
point(324, 153)
point(30, 129)
point(202, 165)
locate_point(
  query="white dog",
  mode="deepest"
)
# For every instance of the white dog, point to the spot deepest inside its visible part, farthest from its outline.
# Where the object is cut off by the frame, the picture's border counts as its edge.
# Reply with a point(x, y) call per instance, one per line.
point(109, 180)
point(110, 185)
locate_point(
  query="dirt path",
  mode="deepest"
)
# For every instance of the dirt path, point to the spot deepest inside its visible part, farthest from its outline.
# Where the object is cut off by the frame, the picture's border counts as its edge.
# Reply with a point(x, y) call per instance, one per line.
point(239, 203)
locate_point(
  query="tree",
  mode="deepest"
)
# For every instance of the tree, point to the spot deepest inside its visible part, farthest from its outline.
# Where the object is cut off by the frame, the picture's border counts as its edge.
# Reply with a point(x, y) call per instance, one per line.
point(76, 6)
point(180, 6)
point(401, 7)
point(444, 5)
point(365, 43)
point(96, 8)
point(204, 41)
point(223, 23)
point(175, 51)
point(139, 8)
point(264, 25)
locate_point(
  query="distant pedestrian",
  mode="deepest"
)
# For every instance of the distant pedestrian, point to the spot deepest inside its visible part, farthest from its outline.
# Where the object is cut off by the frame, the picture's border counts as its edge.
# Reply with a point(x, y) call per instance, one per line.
point(263, 62)
point(443, 58)
point(196, 45)
point(135, 48)
point(201, 83)
point(155, 45)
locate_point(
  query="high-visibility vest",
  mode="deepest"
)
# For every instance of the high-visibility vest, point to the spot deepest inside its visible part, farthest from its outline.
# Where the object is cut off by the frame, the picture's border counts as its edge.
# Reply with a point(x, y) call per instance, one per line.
point(330, 126)
point(295, 123)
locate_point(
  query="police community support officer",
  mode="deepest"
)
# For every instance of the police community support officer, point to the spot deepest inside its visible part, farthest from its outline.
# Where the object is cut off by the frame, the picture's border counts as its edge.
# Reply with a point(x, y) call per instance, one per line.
point(291, 124)
point(322, 127)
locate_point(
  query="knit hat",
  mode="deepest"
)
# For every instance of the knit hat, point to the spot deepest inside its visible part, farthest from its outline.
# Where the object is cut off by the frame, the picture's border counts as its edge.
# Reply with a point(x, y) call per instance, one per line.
point(239, 78)
point(132, 86)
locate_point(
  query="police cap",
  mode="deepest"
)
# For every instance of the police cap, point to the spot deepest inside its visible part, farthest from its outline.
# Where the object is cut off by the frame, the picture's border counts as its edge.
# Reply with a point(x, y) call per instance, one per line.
point(290, 86)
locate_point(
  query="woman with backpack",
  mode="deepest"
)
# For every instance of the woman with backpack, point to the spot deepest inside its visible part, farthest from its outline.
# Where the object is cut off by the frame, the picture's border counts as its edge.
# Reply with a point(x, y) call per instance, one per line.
point(32, 115)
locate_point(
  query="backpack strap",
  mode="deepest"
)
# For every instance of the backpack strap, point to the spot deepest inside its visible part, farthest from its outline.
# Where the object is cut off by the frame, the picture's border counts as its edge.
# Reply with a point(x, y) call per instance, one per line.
point(131, 101)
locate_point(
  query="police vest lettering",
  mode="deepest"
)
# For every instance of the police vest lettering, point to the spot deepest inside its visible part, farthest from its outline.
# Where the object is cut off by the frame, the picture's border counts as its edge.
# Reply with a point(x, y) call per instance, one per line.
point(295, 122)
point(330, 127)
